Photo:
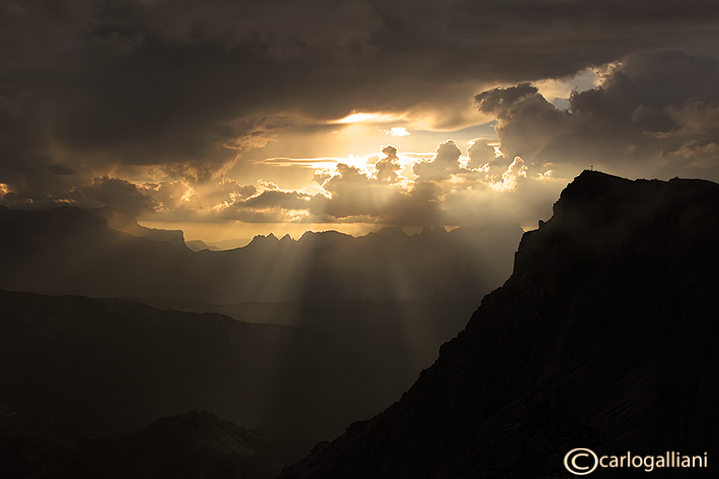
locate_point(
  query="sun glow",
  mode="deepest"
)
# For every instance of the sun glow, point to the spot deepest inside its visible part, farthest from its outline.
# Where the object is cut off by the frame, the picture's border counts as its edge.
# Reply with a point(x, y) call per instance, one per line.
point(368, 117)
point(396, 131)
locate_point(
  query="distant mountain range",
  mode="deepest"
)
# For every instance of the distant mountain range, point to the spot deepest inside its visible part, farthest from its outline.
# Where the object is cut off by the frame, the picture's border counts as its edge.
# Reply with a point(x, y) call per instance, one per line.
point(342, 325)
point(606, 337)
point(199, 245)
point(103, 253)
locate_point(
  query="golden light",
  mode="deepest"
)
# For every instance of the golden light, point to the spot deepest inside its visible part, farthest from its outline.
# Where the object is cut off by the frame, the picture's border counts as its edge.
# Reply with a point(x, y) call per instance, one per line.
point(359, 162)
point(396, 131)
point(368, 117)
point(188, 194)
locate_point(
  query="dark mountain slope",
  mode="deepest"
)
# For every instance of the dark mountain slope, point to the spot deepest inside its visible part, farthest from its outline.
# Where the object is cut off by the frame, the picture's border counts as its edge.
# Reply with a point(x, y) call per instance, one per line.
point(81, 366)
point(193, 445)
point(605, 336)
point(419, 328)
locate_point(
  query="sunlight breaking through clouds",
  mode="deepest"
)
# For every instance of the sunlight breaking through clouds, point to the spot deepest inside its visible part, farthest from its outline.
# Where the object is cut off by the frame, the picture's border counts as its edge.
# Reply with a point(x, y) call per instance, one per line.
point(396, 131)
point(618, 117)
point(178, 111)
point(368, 117)
point(448, 187)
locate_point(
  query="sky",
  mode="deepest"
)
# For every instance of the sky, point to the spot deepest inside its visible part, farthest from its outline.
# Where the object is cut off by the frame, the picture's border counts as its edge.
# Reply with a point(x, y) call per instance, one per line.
point(228, 119)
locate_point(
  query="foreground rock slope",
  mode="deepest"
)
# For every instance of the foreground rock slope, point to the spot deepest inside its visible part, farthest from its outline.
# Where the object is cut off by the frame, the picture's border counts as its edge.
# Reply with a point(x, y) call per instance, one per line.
point(604, 337)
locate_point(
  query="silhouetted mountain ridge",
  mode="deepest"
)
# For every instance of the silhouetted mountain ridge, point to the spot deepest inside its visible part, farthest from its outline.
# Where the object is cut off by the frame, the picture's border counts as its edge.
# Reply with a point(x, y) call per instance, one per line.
point(121, 221)
point(73, 251)
point(604, 337)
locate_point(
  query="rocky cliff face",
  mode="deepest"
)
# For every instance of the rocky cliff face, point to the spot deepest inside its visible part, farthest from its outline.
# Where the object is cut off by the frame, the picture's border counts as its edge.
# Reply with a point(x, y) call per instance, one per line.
point(605, 337)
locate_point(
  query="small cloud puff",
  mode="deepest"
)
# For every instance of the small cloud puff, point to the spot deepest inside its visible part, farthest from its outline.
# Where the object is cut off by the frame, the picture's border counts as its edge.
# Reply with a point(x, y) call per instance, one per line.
point(444, 163)
point(396, 131)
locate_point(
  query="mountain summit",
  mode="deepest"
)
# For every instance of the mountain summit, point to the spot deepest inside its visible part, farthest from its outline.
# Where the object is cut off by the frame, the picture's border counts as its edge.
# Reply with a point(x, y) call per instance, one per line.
point(605, 337)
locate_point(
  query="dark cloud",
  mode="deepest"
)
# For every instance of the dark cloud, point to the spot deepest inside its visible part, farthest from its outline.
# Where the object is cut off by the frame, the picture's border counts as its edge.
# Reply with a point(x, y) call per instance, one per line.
point(60, 169)
point(118, 194)
point(189, 87)
point(37, 34)
point(499, 101)
point(526, 120)
point(653, 114)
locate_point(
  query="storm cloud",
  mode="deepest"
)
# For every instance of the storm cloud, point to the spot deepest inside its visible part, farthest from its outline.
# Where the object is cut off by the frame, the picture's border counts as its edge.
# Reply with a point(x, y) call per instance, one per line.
point(158, 100)
point(653, 114)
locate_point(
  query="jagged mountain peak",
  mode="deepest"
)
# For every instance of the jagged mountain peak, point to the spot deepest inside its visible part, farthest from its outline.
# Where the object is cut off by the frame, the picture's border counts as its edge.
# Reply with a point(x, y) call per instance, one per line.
point(392, 232)
point(432, 231)
point(263, 240)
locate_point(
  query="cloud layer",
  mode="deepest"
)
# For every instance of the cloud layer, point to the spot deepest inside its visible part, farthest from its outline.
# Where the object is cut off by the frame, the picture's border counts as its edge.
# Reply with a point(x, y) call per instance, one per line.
point(148, 105)
point(652, 115)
